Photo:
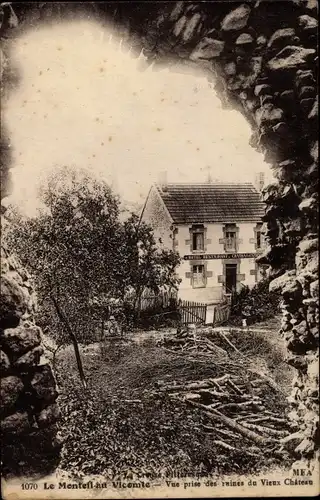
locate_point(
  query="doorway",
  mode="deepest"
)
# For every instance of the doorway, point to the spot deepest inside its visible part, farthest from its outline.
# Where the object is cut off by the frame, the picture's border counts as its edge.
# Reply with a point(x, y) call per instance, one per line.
point(231, 278)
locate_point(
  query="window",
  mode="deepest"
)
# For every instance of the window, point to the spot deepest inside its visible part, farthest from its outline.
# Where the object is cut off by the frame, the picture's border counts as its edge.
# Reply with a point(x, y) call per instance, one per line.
point(259, 237)
point(198, 241)
point(198, 276)
point(231, 240)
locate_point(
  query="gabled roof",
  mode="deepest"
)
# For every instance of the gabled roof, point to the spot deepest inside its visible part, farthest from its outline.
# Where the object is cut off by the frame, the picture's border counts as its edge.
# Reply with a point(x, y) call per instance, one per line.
point(218, 202)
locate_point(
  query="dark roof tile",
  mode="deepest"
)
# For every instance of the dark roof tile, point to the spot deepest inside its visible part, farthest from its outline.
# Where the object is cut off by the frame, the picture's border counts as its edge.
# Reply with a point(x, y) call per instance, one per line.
point(220, 202)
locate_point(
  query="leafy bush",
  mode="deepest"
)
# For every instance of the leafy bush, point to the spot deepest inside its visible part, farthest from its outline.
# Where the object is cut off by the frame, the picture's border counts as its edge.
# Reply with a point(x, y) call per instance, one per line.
point(153, 317)
point(82, 255)
point(256, 304)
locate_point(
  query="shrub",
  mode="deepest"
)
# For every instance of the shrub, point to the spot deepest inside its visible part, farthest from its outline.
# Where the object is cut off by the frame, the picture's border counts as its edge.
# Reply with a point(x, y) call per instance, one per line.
point(152, 317)
point(257, 303)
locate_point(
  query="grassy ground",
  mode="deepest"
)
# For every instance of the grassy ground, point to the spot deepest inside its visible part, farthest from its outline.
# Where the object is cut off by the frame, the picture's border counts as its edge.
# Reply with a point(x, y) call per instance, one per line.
point(122, 423)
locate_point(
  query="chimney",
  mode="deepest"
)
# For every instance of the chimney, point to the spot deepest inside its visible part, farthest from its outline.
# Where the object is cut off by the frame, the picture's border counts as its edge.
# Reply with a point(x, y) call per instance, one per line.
point(163, 180)
point(259, 181)
point(209, 176)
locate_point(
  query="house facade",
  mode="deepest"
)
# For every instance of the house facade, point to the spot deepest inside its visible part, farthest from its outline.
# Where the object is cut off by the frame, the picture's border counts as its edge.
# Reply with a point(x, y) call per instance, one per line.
point(217, 230)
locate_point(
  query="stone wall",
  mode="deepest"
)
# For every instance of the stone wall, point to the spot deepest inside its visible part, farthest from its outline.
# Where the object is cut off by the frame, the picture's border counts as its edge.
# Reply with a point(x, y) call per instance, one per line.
point(29, 411)
point(156, 214)
point(262, 58)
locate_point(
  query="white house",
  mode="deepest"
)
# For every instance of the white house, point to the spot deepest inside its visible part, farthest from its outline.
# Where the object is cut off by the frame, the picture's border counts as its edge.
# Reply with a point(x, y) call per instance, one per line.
point(216, 229)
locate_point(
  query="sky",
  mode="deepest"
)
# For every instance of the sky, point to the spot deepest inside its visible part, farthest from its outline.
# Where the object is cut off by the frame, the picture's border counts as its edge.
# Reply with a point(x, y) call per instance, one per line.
point(82, 100)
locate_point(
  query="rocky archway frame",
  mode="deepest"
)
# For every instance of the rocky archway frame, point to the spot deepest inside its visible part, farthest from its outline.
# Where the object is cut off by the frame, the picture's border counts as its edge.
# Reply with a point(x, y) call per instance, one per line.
point(262, 58)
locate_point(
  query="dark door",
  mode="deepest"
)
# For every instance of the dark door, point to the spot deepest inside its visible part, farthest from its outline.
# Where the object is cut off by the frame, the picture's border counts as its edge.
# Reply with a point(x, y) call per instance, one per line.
point(231, 278)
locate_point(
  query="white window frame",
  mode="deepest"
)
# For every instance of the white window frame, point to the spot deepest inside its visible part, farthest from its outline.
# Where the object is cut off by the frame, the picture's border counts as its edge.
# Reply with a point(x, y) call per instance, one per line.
point(231, 243)
point(195, 236)
point(198, 278)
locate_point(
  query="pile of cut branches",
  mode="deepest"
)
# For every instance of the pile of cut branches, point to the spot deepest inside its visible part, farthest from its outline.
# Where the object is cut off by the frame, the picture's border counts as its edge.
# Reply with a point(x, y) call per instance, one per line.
point(237, 409)
point(235, 403)
point(241, 402)
point(188, 342)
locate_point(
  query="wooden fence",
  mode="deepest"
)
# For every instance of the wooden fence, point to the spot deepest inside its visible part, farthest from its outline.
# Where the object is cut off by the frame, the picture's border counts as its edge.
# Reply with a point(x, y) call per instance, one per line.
point(221, 314)
point(192, 312)
point(160, 301)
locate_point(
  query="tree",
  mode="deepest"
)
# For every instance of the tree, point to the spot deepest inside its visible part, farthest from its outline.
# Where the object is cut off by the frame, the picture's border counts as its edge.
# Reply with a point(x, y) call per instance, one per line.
point(70, 248)
point(71, 245)
point(82, 255)
point(146, 266)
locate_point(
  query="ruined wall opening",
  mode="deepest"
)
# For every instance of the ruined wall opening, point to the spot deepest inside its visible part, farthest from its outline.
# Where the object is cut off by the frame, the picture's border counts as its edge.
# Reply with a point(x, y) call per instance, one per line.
point(263, 59)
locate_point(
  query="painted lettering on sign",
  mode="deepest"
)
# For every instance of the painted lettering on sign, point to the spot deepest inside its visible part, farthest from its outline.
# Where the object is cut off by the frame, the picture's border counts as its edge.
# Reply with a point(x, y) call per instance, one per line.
point(211, 256)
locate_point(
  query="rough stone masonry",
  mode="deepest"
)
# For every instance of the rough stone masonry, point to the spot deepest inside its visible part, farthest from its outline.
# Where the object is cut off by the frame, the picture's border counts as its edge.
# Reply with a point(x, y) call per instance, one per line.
point(262, 57)
point(28, 389)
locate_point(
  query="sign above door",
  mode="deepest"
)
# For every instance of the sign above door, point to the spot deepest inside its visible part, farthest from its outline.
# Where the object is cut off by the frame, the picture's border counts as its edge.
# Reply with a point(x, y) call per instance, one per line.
point(211, 256)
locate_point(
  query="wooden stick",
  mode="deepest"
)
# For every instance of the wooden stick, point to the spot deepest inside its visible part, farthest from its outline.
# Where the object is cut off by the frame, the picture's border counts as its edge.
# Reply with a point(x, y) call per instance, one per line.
point(266, 430)
point(270, 381)
point(221, 379)
point(234, 387)
point(224, 445)
point(214, 405)
point(267, 419)
point(228, 447)
point(237, 406)
point(244, 417)
point(217, 386)
point(230, 343)
point(73, 337)
point(213, 347)
point(272, 413)
point(192, 360)
point(225, 433)
point(215, 394)
point(187, 387)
